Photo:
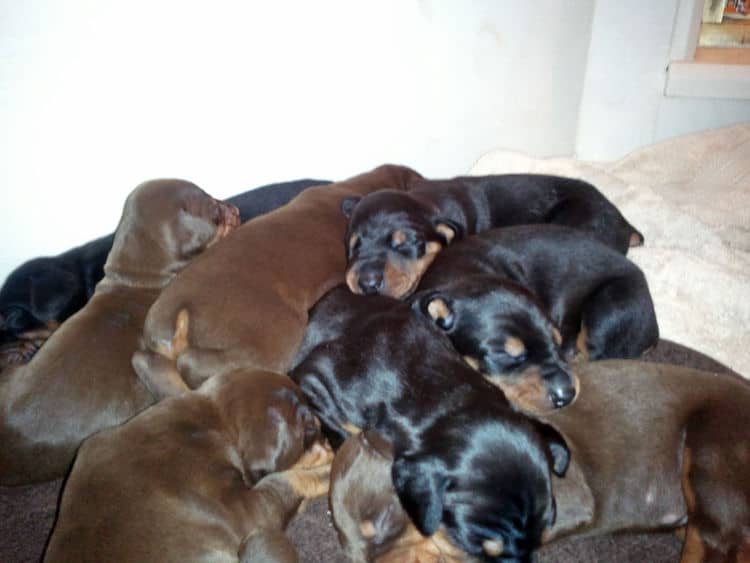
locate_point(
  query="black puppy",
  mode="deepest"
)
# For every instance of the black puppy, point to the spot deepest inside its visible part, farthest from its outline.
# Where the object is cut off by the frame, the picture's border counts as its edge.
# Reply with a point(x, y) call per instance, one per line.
point(463, 457)
point(43, 292)
point(520, 302)
point(393, 236)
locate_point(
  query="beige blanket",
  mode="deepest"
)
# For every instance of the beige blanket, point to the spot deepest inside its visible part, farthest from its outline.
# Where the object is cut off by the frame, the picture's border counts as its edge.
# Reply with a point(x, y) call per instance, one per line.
point(690, 197)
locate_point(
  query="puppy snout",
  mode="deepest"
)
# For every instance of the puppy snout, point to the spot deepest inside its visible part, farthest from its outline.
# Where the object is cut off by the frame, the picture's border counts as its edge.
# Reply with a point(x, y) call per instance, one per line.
point(561, 388)
point(370, 282)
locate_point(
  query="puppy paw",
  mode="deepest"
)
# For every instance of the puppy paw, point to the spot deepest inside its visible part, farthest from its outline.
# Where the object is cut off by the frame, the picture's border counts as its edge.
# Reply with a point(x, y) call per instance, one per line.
point(319, 454)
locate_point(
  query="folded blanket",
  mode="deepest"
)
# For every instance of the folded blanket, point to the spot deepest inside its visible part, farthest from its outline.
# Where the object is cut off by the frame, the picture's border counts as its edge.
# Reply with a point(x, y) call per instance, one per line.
point(690, 197)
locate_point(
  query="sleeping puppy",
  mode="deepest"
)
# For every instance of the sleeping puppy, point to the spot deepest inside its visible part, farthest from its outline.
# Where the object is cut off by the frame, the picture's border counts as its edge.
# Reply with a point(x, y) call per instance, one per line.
point(393, 237)
point(503, 331)
point(658, 446)
point(41, 293)
point(194, 478)
point(81, 380)
point(501, 296)
point(244, 303)
point(369, 519)
point(464, 458)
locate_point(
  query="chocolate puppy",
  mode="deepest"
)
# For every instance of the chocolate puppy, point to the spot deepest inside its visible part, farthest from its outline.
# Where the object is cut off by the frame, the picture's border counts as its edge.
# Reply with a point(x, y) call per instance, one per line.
point(393, 237)
point(369, 519)
point(244, 303)
point(194, 478)
point(81, 381)
point(41, 293)
point(501, 296)
point(658, 446)
point(464, 458)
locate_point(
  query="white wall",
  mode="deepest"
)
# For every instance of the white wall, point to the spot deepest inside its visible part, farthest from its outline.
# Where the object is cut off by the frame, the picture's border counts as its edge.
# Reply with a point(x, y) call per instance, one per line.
point(623, 104)
point(96, 96)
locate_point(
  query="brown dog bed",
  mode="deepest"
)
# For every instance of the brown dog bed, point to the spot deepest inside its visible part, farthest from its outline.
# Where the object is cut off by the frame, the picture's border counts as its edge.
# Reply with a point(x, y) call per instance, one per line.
point(27, 514)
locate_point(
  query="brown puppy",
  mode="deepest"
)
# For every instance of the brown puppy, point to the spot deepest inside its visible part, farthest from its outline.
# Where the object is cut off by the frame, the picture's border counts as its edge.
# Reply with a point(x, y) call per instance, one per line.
point(658, 446)
point(81, 381)
point(244, 303)
point(369, 519)
point(176, 482)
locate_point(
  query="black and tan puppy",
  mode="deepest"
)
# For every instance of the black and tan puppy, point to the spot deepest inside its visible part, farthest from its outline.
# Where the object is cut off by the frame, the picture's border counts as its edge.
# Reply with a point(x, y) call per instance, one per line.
point(371, 524)
point(393, 237)
point(464, 458)
point(519, 302)
point(657, 446)
point(41, 293)
point(503, 331)
point(81, 380)
point(194, 478)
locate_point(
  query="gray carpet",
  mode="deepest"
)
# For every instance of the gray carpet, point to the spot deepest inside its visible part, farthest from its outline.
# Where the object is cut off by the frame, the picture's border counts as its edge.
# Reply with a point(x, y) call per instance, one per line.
point(27, 514)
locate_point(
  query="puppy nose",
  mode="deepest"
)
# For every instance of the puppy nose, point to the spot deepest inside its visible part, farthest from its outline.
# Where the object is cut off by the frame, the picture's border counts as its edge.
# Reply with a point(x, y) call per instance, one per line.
point(561, 396)
point(370, 282)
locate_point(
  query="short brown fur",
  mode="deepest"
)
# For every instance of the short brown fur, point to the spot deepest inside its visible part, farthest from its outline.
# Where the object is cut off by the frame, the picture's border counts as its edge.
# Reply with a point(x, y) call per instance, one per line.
point(81, 380)
point(183, 481)
point(234, 289)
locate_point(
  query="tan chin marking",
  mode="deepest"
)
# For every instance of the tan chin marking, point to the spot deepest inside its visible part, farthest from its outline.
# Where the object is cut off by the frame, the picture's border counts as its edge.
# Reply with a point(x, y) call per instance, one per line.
point(401, 282)
point(527, 391)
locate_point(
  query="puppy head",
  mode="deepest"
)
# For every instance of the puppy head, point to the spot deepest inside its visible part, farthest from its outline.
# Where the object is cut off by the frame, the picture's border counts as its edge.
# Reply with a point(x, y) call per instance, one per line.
point(391, 240)
point(268, 416)
point(164, 224)
point(486, 481)
point(364, 507)
point(502, 331)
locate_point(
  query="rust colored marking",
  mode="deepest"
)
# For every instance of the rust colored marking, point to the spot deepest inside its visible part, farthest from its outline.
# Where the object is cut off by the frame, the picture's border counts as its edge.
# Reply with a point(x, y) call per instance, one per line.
point(514, 346)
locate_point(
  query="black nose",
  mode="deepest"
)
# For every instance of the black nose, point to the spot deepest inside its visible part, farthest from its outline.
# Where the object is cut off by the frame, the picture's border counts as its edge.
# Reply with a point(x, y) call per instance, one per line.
point(561, 396)
point(370, 282)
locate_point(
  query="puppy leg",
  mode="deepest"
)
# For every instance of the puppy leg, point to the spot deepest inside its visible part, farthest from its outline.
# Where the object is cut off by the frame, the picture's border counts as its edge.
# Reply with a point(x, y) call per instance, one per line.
point(158, 374)
point(619, 319)
point(156, 369)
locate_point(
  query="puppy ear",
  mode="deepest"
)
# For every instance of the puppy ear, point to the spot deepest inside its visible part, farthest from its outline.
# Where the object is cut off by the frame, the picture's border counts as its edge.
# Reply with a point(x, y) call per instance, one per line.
point(52, 292)
point(437, 308)
point(348, 204)
point(558, 449)
point(447, 229)
point(420, 485)
point(195, 235)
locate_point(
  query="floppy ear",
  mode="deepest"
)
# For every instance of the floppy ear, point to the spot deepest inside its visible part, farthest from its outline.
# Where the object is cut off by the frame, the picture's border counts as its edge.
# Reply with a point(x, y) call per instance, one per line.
point(420, 484)
point(438, 308)
point(195, 234)
point(558, 449)
point(52, 292)
point(448, 229)
point(348, 204)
